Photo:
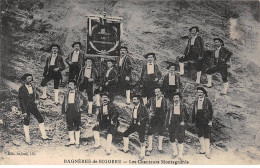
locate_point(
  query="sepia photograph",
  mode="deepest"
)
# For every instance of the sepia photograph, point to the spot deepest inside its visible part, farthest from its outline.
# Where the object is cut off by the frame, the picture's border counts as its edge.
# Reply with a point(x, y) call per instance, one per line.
point(130, 82)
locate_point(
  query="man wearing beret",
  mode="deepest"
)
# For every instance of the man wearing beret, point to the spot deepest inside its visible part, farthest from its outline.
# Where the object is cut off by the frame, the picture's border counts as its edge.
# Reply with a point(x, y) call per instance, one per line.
point(75, 60)
point(175, 123)
point(140, 118)
point(193, 52)
point(109, 79)
point(71, 107)
point(221, 57)
point(158, 106)
point(124, 66)
point(202, 115)
point(87, 77)
point(150, 76)
point(52, 71)
point(107, 119)
point(171, 81)
point(27, 98)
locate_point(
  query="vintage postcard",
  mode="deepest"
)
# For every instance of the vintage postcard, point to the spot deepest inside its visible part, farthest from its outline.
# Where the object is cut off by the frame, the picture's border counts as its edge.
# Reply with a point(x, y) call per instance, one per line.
point(130, 82)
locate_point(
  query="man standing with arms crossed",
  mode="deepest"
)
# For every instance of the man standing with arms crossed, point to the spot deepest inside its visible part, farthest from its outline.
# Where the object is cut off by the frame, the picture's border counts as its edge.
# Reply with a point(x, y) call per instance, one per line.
point(124, 65)
point(109, 80)
point(175, 123)
point(140, 117)
point(71, 107)
point(27, 97)
point(221, 57)
point(75, 60)
point(158, 107)
point(193, 52)
point(52, 71)
point(87, 77)
point(150, 76)
point(202, 115)
point(171, 82)
point(107, 119)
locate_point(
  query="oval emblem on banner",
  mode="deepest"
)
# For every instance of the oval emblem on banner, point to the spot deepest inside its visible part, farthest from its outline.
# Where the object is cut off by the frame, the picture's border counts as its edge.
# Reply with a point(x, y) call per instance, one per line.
point(104, 38)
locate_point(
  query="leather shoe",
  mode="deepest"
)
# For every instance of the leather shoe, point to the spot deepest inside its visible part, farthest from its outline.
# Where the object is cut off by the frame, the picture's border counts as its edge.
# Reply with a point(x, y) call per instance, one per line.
point(28, 143)
point(69, 144)
point(46, 138)
point(208, 156)
point(141, 157)
point(174, 156)
point(148, 153)
point(122, 150)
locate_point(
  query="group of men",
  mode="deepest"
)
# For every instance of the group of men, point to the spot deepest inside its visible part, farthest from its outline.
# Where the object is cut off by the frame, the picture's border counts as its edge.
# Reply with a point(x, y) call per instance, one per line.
point(159, 106)
point(195, 53)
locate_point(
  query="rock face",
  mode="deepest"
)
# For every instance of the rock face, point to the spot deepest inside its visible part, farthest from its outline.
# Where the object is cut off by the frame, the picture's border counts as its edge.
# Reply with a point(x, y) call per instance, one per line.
point(29, 27)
